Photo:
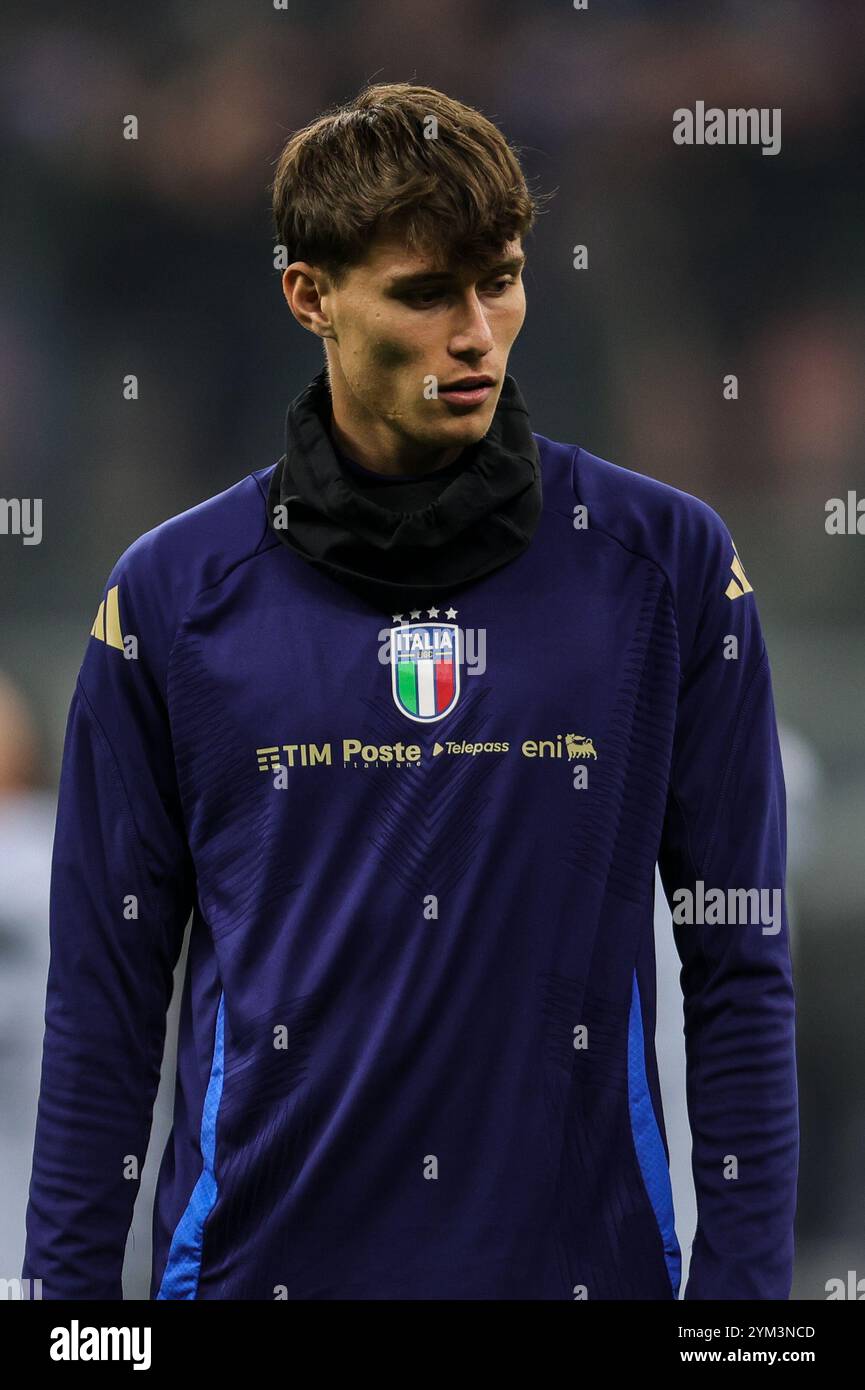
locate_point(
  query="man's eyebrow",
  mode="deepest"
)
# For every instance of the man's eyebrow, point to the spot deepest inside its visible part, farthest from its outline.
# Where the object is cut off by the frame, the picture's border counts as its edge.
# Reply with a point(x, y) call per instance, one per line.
point(426, 277)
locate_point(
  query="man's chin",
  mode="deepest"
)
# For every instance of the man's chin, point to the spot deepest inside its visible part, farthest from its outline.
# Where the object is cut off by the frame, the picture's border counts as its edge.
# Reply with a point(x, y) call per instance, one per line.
point(464, 428)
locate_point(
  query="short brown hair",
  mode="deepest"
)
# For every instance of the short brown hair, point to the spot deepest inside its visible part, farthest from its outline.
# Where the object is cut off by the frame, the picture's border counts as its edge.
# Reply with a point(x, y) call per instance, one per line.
point(370, 165)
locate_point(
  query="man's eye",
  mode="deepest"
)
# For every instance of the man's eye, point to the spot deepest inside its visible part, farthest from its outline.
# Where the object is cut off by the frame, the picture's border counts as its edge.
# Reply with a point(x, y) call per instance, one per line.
point(424, 296)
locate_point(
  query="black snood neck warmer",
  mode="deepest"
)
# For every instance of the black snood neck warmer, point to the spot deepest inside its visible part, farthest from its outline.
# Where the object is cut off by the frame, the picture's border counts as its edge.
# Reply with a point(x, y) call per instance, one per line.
point(426, 536)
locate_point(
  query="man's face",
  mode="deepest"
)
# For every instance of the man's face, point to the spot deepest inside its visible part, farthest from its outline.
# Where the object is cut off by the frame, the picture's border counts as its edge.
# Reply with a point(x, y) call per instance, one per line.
point(402, 319)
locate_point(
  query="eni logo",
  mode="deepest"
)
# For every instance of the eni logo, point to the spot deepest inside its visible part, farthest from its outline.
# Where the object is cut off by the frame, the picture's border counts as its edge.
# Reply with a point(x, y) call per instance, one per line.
point(579, 746)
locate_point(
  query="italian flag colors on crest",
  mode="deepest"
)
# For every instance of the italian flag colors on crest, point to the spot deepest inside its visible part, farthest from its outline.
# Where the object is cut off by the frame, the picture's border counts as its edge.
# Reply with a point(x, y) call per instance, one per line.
point(425, 669)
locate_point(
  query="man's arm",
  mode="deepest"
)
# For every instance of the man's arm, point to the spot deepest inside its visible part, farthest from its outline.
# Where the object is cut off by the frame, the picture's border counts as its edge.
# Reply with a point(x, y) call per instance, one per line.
point(725, 828)
point(121, 892)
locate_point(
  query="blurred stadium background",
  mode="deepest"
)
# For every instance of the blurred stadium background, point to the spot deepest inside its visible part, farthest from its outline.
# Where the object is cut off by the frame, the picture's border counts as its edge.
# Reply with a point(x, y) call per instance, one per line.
point(154, 257)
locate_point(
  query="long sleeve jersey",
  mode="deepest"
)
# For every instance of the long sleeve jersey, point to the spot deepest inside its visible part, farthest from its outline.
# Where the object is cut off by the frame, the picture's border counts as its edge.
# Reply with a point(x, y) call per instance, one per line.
point(416, 1042)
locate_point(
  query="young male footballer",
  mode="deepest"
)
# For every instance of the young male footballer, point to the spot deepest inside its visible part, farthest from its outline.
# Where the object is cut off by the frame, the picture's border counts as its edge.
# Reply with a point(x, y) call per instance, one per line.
point(405, 722)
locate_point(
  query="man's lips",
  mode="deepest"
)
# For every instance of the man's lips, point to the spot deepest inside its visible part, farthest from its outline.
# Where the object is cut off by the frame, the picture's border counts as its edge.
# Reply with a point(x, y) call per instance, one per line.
point(467, 390)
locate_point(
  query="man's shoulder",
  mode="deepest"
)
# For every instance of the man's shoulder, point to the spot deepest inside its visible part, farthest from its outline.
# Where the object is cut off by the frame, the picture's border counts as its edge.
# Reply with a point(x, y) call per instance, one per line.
point(158, 576)
point(218, 531)
point(678, 532)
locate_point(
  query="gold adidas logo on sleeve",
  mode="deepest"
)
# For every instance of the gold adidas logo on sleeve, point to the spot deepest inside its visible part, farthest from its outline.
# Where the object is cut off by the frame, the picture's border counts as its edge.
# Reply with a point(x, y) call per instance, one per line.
point(738, 585)
point(106, 624)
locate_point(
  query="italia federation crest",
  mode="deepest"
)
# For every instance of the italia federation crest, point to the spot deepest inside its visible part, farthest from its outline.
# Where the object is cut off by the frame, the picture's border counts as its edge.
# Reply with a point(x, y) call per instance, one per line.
point(425, 669)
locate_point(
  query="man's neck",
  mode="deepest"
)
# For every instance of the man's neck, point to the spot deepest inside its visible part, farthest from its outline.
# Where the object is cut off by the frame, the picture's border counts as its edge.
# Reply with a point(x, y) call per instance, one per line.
point(410, 462)
point(377, 449)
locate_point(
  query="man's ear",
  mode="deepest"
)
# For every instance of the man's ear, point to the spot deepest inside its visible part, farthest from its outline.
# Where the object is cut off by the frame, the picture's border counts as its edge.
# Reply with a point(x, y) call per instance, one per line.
point(304, 287)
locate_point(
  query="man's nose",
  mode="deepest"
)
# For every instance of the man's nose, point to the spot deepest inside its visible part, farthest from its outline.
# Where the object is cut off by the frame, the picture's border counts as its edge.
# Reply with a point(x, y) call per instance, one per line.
point(472, 332)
